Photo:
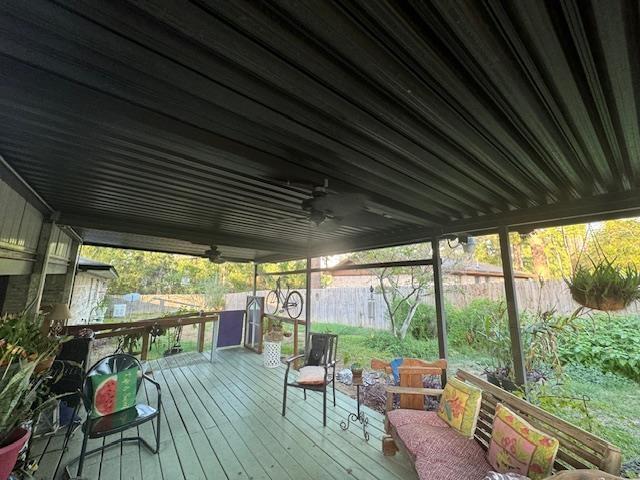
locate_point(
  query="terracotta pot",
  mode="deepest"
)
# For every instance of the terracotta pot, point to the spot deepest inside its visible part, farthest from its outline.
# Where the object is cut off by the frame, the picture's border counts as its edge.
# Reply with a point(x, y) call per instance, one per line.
point(44, 365)
point(9, 453)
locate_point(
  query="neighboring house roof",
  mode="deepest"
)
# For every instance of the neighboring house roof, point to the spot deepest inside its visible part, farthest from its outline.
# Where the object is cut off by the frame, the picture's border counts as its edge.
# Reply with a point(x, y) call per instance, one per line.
point(449, 267)
point(99, 269)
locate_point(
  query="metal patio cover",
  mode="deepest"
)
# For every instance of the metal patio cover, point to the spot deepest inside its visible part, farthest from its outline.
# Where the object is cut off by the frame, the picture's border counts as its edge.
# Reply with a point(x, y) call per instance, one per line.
point(172, 126)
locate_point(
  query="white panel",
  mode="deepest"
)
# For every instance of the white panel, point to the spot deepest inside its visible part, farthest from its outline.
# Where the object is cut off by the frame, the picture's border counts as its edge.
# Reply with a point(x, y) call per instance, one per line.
point(20, 222)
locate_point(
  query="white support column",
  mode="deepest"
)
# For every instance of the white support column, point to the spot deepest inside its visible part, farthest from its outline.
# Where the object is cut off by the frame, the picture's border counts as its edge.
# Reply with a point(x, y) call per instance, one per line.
point(39, 272)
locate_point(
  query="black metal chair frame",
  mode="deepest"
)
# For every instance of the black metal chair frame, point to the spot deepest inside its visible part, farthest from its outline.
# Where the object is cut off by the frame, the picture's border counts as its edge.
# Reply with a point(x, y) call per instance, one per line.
point(87, 400)
point(327, 359)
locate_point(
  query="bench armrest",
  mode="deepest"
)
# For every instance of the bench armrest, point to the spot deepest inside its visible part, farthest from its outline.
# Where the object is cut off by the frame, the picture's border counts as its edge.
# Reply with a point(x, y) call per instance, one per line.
point(391, 389)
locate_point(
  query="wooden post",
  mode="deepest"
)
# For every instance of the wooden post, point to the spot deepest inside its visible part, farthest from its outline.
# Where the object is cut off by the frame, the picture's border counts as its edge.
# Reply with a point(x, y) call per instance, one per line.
point(201, 331)
point(307, 306)
point(297, 363)
point(145, 344)
point(255, 278)
point(441, 317)
point(512, 308)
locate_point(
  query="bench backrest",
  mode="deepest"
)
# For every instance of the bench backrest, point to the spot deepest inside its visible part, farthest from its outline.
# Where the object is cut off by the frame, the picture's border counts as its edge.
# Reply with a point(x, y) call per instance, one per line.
point(578, 448)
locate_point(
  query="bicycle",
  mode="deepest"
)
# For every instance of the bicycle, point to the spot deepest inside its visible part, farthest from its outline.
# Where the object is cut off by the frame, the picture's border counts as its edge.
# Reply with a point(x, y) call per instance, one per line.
point(277, 301)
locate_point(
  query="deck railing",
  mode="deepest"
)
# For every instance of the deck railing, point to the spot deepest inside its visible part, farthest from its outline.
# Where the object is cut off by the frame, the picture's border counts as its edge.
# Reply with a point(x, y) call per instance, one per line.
point(144, 328)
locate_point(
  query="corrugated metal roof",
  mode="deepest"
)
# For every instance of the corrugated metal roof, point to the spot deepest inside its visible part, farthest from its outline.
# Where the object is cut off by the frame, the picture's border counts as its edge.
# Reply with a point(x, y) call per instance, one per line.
point(177, 124)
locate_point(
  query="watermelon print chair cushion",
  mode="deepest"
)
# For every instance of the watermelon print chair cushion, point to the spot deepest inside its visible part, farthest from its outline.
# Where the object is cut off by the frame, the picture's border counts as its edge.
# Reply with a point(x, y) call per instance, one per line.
point(518, 447)
point(114, 392)
point(460, 406)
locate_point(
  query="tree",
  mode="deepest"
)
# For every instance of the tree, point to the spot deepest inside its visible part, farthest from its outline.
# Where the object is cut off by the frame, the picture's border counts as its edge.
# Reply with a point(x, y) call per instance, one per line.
point(402, 288)
point(158, 273)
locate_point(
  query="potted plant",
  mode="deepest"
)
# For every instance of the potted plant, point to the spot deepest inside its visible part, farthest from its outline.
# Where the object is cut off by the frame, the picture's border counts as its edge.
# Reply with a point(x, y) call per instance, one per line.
point(605, 286)
point(498, 345)
point(24, 332)
point(356, 371)
point(131, 343)
point(23, 352)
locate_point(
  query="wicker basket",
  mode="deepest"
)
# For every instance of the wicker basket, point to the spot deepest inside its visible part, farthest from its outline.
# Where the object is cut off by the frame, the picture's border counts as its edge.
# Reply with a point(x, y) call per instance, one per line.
point(606, 304)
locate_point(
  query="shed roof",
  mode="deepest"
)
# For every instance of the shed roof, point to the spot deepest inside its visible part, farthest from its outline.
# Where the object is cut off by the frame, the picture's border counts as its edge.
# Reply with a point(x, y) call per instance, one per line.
point(97, 268)
point(172, 126)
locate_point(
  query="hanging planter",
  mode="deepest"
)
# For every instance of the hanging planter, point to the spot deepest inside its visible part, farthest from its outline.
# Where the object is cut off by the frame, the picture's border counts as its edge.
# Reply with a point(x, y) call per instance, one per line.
point(605, 286)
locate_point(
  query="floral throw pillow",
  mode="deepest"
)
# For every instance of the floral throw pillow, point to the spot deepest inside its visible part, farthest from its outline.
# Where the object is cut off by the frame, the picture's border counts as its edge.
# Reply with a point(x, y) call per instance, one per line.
point(518, 447)
point(460, 406)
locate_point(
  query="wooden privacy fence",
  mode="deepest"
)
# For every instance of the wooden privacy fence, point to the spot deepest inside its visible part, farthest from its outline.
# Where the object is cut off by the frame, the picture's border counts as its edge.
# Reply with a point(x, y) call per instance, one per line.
point(156, 304)
point(356, 306)
point(143, 328)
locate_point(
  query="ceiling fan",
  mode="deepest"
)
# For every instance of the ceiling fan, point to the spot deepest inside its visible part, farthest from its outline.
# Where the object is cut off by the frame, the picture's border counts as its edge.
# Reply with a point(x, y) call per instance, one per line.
point(329, 211)
point(214, 255)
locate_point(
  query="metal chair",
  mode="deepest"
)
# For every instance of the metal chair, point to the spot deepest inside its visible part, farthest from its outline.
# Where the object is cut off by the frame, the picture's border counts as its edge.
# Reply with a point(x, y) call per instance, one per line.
point(120, 421)
point(323, 352)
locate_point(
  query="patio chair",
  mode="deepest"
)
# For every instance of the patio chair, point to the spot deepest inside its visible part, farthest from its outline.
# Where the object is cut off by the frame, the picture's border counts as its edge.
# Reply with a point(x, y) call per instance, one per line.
point(119, 421)
point(322, 353)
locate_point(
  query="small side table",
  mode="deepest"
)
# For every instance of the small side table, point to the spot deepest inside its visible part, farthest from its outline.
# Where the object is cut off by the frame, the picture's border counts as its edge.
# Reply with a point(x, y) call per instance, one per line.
point(360, 416)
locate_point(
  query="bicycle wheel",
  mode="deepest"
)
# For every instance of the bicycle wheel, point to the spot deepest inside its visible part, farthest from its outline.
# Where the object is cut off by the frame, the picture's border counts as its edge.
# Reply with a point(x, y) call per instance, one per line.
point(294, 304)
point(271, 302)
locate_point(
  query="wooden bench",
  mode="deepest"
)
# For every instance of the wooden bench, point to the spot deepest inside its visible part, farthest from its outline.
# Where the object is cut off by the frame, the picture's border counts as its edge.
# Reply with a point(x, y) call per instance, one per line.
point(578, 449)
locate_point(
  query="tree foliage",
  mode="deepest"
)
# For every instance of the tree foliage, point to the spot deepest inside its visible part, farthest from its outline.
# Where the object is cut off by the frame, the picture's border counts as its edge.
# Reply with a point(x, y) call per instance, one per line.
point(158, 273)
point(402, 288)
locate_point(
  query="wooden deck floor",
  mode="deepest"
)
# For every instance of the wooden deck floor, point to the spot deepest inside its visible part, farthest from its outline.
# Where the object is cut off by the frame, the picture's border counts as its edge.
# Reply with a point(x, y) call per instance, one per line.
point(222, 420)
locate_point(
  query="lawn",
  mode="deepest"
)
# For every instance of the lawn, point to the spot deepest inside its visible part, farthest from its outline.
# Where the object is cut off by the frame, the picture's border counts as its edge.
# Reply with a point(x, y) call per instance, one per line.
point(613, 403)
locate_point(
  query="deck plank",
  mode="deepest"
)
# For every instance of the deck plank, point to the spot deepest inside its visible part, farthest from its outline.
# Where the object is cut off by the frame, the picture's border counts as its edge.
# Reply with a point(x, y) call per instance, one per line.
point(349, 440)
point(317, 464)
point(223, 420)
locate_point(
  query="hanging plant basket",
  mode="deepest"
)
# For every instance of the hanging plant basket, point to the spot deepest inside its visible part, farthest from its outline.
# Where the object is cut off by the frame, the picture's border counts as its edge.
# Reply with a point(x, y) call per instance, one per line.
point(607, 304)
point(605, 286)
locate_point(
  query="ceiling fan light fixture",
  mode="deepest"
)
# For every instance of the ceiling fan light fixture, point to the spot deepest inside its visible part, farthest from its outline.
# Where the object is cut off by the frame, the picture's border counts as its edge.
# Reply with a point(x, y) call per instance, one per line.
point(317, 217)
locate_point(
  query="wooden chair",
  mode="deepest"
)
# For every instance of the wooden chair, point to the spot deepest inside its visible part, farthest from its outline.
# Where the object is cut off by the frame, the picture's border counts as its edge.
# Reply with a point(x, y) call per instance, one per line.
point(323, 352)
point(120, 421)
point(411, 373)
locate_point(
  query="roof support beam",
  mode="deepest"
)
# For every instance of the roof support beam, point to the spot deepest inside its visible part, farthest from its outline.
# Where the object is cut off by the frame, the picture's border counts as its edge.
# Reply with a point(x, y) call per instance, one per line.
point(140, 227)
point(512, 308)
point(601, 207)
point(361, 266)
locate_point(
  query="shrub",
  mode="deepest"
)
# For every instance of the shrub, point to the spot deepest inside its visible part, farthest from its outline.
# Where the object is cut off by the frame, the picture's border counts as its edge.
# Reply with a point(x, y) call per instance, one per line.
point(388, 345)
point(610, 343)
point(423, 326)
point(465, 324)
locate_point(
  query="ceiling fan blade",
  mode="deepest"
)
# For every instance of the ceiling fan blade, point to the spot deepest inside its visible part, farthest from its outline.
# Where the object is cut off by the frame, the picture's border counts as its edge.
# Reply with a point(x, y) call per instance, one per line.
point(365, 219)
point(329, 225)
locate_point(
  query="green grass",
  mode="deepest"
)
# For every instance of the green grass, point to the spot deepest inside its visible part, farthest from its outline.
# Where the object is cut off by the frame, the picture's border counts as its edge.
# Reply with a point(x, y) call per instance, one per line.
point(614, 401)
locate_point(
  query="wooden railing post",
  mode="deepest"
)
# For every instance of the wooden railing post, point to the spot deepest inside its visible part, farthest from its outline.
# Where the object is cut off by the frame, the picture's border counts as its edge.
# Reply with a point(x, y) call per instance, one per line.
point(145, 344)
point(201, 331)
